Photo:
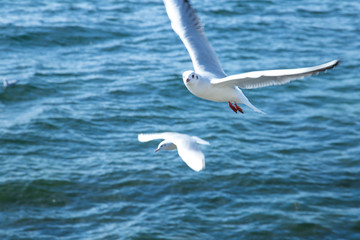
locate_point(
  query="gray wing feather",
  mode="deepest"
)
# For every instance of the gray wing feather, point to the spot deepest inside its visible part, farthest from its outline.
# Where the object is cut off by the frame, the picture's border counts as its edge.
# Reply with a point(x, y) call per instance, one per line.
point(260, 79)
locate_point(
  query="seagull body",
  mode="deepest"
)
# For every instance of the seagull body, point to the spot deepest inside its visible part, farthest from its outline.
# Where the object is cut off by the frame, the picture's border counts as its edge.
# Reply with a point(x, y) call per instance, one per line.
point(9, 84)
point(186, 145)
point(208, 80)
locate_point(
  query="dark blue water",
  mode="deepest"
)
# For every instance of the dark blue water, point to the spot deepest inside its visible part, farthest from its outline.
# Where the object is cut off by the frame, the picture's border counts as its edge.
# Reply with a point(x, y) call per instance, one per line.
point(94, 74)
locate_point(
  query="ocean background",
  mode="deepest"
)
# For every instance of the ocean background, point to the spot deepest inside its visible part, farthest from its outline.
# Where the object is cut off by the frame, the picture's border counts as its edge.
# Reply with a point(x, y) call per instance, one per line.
point(94, 74)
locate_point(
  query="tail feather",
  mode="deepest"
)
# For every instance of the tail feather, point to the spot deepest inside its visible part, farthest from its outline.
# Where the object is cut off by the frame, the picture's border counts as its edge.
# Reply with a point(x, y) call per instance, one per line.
point(243, 99)
point(253, 107)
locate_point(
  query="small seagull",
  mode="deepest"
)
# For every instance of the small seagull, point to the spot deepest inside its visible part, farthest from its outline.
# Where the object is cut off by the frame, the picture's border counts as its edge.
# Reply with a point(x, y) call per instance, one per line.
point(9, 84)
point(186, 145)
point(209, 81)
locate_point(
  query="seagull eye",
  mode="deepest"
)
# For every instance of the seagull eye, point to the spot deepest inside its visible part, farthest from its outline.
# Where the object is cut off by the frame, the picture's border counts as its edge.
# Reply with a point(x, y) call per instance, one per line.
point(192, 76)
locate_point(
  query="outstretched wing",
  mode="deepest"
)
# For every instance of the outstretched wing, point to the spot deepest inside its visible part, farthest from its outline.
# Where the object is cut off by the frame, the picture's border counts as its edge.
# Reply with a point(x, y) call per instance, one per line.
point(260, 79)
point(191, 154)
point(151, 136)
point(186, 24)
point(171, 136)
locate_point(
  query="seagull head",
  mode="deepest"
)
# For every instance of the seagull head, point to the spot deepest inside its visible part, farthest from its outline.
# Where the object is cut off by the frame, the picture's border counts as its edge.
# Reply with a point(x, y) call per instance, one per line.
point(190, 77)
point(166, 145)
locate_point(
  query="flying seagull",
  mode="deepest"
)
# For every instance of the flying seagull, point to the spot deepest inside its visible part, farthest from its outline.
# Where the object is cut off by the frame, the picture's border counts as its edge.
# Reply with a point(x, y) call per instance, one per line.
point(186, 145)
point(9, 84)
point(208, 80)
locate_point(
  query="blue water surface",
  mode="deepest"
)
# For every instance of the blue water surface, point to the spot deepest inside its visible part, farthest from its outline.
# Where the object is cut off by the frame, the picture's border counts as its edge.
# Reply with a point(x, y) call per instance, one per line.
point(94, 74)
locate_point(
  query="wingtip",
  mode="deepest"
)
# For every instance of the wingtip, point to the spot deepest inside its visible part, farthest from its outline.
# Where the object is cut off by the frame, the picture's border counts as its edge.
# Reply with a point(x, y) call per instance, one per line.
point(198, 169)
point(204, 142)
point(334, 63)
point(200, 140)
point(140, 137)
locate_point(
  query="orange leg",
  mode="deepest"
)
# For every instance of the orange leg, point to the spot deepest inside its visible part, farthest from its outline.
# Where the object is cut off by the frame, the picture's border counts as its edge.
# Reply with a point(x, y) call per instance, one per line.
point(239, 109)
point(233, 107)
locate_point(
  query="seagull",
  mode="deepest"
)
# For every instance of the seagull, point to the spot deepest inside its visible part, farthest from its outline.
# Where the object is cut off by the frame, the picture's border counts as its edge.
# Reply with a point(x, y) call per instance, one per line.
point(9, 84)
point(208, 80)
point(186, 145)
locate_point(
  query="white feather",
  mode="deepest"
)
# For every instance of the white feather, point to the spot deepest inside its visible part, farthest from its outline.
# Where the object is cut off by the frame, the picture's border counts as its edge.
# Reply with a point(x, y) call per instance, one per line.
point(186, 24)
point(200, 141)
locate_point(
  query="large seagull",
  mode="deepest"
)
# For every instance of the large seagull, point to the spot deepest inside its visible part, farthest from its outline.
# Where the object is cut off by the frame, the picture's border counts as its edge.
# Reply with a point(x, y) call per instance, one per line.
point(209, 81)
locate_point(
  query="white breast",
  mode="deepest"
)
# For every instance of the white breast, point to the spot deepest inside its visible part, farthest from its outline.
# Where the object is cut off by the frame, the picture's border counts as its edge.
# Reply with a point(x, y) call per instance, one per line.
point(216, 94)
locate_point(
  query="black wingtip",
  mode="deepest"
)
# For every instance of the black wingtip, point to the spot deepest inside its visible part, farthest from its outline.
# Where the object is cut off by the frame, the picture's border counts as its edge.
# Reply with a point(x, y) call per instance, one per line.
point(333, 64)
point(338, 61)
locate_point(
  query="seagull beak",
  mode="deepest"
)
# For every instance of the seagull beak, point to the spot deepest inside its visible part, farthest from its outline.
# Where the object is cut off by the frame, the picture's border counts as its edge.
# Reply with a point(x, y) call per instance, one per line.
point(187, 80)
point(157, 149)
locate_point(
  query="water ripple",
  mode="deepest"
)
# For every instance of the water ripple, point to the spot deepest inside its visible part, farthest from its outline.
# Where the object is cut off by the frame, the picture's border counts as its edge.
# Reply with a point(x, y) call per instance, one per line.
point(95, 74)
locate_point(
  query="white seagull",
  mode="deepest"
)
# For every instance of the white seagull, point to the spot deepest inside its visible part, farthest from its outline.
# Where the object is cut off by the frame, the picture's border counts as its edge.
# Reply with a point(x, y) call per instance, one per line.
point(209, 81)
point(9, 84)
point(186, 145)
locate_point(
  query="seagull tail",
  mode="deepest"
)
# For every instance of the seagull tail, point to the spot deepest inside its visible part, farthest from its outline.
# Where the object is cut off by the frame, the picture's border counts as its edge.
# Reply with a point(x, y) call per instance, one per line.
point(253, 107)
point(243, 99)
